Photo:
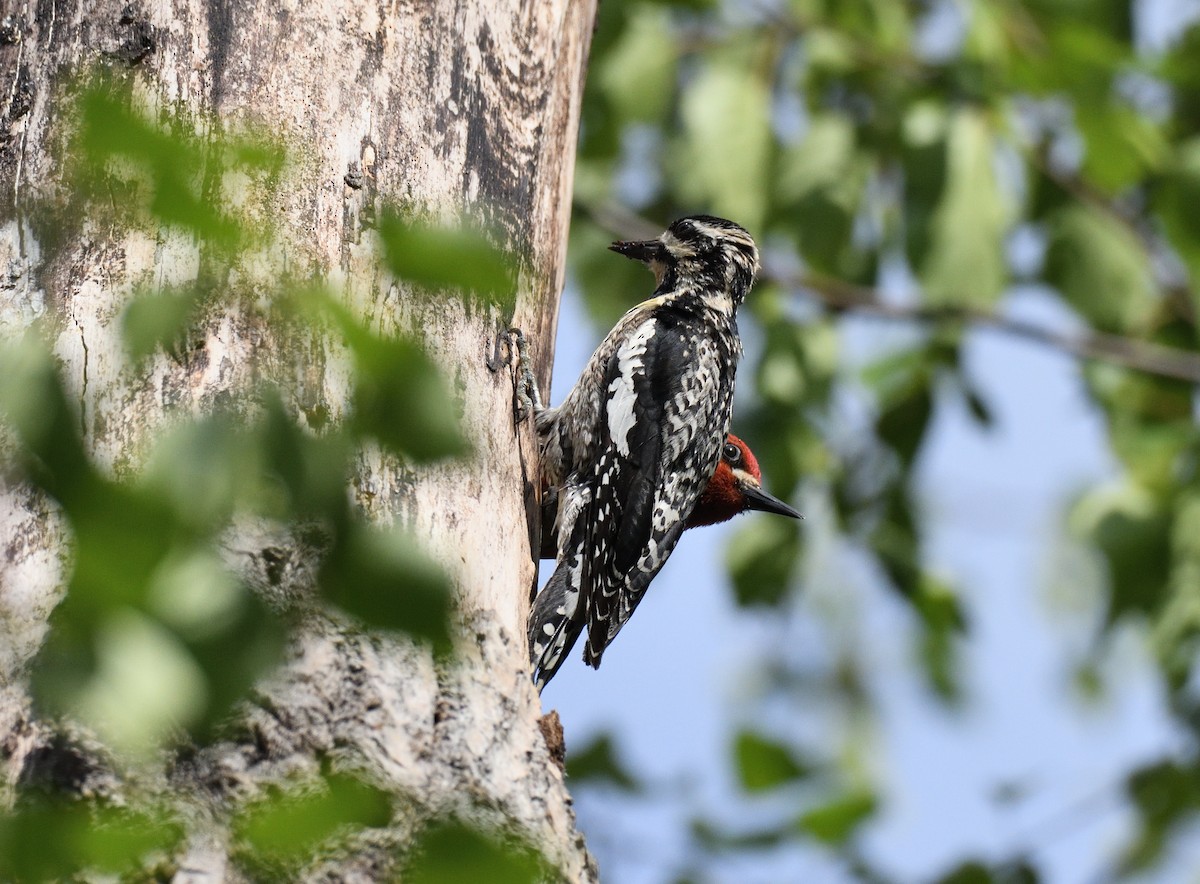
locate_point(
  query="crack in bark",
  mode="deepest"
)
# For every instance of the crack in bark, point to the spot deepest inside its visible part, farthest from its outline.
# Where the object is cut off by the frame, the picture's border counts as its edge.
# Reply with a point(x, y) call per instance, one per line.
point(367, 703)
point(83, 389)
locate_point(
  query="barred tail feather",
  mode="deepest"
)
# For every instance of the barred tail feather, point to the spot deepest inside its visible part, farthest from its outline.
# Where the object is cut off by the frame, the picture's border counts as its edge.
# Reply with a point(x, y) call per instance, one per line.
point(554, 625)
point(622, 594)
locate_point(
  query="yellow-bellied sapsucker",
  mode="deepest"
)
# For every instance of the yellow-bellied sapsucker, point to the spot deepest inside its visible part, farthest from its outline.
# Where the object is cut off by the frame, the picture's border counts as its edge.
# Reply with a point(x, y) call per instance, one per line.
point(640, 435)
point(735, 488)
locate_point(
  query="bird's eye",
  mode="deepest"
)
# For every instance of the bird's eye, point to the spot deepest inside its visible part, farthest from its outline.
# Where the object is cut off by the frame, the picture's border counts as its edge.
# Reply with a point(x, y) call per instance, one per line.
point(732, 453)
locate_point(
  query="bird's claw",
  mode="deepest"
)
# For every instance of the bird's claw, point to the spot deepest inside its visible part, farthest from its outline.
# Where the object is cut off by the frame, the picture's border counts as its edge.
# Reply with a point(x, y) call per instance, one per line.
point(497, 359)
point(526, 400)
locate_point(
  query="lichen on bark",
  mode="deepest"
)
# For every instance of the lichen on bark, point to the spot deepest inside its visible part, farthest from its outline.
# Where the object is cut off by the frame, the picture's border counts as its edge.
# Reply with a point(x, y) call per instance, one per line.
point(452, 108)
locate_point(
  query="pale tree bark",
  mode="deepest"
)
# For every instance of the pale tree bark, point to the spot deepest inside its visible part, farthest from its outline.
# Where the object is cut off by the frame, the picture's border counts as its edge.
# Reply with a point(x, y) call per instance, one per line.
point(443, 106)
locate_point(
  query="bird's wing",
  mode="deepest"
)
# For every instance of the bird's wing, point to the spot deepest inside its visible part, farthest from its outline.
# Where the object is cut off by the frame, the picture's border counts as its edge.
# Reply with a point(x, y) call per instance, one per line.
point(666, 413)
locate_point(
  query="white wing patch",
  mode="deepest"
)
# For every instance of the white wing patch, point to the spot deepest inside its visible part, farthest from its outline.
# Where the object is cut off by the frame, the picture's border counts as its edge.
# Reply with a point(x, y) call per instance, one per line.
point(622, 399)
point(571, 502)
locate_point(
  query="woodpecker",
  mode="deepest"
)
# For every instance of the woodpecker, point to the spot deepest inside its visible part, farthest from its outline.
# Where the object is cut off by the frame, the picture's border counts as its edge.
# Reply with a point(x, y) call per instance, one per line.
point(640, 435)
point(735, 488)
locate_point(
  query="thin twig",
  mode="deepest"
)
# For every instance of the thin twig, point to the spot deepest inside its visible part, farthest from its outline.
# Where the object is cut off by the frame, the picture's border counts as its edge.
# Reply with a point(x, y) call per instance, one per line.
point(1142, 355)
point(1147, 356)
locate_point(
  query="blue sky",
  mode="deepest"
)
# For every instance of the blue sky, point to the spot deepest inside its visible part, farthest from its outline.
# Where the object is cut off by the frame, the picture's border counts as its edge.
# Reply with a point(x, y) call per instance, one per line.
point(680, 679)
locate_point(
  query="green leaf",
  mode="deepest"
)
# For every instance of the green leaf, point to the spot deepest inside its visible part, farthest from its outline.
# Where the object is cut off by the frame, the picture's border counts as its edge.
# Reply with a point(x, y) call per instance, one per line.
point(53, 840)
point(598, 762)
point(1101, 269)
point(824, 222)
point(977, 405)
point(308, 473)
point(34, 404)
point(924, 156)
point(942, 620)
point(1122, 145)
point(974, 872)
point(611, 284)
point(903, 383)
point(1165, 794)
point(1152, 451)
point(121, 537)
point(819, 162)
point(400, 398)
point(964, 264)
point(232, 636)
point(143, 683)
point(203, 469)
point(723, 159)
point(163, 172)
point(716, 838)
point(177, 654)
point(151, 321)
point(763, 764)
point(762, 559)
point(383, 577)
point(896, 540)
point(637, 75)
point(969, 873)
point(1133, 534)
point(835, 822)
point(290, 827)
point(135, 673)
point(452, 853)
point(436, 258)
point(1175, 200)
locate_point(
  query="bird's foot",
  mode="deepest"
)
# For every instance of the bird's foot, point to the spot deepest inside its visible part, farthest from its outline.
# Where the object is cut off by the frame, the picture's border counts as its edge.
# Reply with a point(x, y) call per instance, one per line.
point(527, 399)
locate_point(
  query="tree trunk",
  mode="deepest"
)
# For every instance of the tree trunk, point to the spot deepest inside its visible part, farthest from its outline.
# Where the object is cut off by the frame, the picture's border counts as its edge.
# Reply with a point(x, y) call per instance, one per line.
point(444, 106)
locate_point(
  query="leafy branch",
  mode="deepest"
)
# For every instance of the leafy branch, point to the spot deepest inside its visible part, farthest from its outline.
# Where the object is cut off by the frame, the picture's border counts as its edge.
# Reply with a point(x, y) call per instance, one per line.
point(839, 296)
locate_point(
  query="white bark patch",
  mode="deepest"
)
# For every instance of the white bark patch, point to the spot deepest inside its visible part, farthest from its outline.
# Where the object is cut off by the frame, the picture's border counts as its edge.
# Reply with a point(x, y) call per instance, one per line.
point(438, 106)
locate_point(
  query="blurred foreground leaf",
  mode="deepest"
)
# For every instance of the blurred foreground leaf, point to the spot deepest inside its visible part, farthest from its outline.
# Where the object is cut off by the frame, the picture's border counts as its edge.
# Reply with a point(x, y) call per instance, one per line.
point(453, 853)
point(1165, 794)
point(289, 828)
point(448, 258)
point(162, 171)
point(763, 764)
point(598, 763)
point(384, 578)
point(151, 321)
point(400, 397)
point(43, 840)
point(762, 560)
point(835, 822)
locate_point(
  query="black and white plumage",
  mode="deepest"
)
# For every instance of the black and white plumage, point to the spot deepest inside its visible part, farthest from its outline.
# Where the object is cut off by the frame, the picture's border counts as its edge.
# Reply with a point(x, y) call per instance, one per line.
point(635, 442)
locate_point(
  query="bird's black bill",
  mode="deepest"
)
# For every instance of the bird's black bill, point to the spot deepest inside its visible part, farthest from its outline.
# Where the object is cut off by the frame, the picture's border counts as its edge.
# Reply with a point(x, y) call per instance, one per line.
point(645, 250)
point(757, 499)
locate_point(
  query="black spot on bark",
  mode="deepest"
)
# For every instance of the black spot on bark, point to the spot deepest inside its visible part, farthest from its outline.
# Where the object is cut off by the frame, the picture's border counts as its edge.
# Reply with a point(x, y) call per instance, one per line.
point(275, 561)
point(220, 35)
point(46, 13)
point(496, 169)
point(10, 31)
point(22, 95)
point(59, 767)
point(137, 37)
point(373, 57)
